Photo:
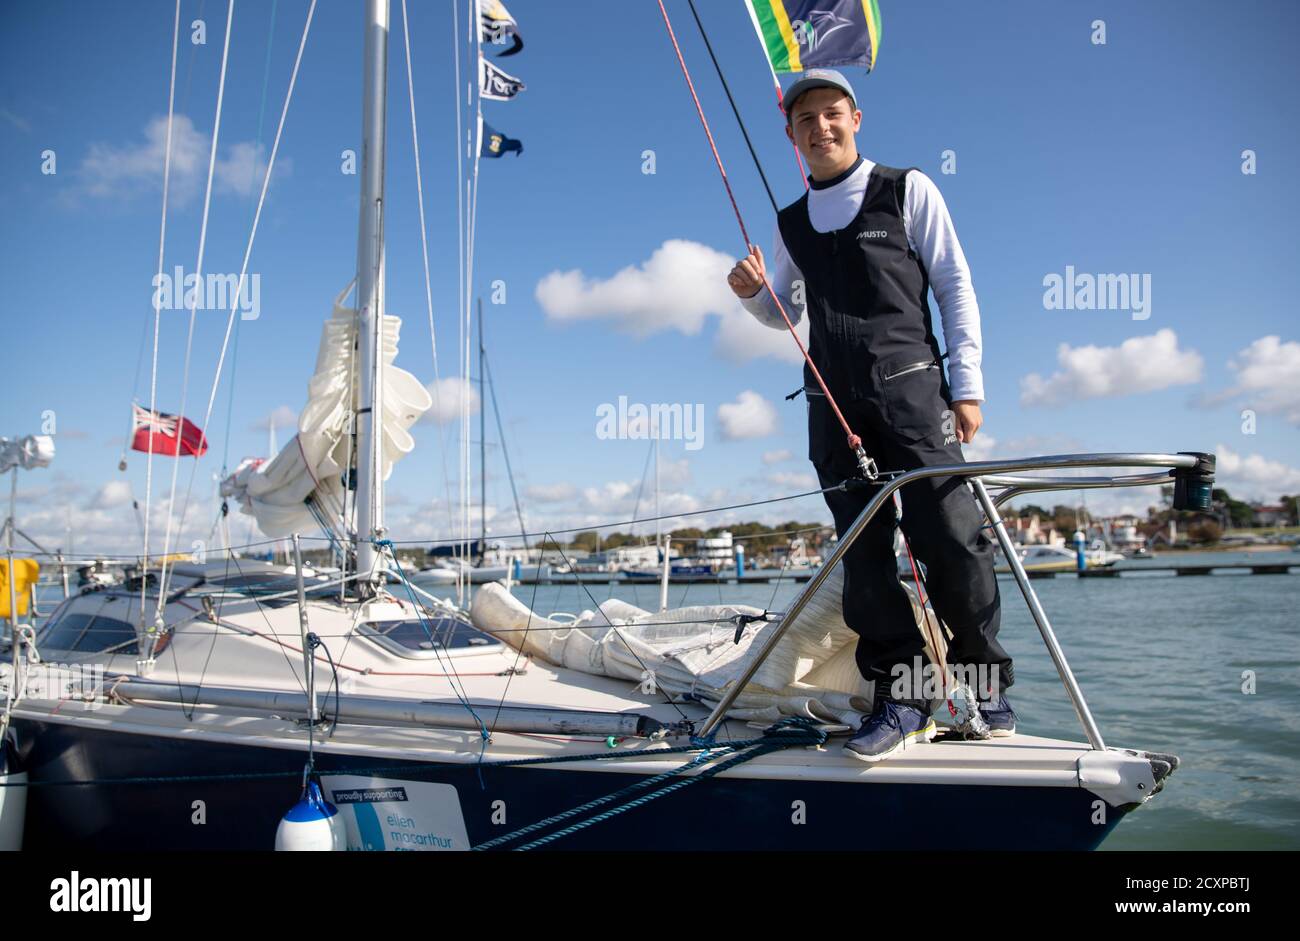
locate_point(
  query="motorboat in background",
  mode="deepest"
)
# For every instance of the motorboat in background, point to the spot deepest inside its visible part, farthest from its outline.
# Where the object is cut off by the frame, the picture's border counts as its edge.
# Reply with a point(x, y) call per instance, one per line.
point(680, 570)
point(451, 571)
point(1056, 558)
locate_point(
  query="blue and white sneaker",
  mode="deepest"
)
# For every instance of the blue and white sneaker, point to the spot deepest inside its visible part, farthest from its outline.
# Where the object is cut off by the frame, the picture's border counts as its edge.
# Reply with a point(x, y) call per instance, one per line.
point(892, 727)
point(999, 715)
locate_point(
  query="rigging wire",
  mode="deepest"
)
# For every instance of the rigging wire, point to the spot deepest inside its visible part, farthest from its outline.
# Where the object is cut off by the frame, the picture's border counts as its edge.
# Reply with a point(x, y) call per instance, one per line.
point(157, 310)
point(646, 672)
point(865, 463)
point(253, 544)
point(472, 31)
point(144, 331)
point(734, 110)
point(257, 148)
point(454, 677)
point(248, 252)
point(519, 651)
point(198, 280)
point(492, 390)
point(645, 471)
point(460, 243)
point(424, 253)
point(212, 646)
point(681, 513)
point(462, 343)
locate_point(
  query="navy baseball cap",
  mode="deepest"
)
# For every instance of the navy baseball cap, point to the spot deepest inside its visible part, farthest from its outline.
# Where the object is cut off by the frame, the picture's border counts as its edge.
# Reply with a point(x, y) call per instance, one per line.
point(817, 78)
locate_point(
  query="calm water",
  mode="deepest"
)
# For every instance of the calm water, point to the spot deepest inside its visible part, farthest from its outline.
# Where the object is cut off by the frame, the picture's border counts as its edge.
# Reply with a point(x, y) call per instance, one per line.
point(1161, 660)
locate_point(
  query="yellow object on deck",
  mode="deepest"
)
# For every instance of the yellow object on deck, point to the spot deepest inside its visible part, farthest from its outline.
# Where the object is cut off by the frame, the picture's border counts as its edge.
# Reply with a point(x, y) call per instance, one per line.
point(28, 570)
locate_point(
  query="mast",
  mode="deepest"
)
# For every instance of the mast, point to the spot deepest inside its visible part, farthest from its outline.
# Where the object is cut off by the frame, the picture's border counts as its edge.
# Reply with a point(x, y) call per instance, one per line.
point(482, 446)
point(659, 523)
point(370, 291)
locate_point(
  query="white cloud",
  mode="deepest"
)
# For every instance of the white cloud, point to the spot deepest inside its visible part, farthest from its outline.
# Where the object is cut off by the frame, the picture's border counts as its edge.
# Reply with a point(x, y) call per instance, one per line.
point(983, 448)
point(114, 493)
point(98, 519)
point(793, 480)
point(600, 505)
point(674, 473)
point(1253, 476)
point(450, 396)
point(550, 493)
point(1268, 377)
point(612, 496)
point(107, 170)
point(742, 338)
point(16, 120)
point(110, 170)
point(679, 287)
point(616, 500)
point(282, 416)
point(750, 416)
point(776, 457)
point(436, 520)
point(1139, 364)
point(244, 166)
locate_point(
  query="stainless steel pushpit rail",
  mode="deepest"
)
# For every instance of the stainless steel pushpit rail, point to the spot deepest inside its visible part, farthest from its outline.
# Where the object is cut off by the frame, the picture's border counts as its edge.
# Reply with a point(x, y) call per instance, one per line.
point(1191, 473)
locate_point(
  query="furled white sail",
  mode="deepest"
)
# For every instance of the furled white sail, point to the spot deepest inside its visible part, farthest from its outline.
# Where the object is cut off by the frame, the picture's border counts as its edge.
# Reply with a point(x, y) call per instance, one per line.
point(692, 653)
point(315, 460)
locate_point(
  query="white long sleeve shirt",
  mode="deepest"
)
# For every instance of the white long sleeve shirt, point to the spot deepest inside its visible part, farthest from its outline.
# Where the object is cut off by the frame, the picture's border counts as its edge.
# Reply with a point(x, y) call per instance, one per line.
point(930, 234)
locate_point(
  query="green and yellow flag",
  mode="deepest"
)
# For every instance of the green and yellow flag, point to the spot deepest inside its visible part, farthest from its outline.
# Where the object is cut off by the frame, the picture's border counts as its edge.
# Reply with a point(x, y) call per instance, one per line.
point(817, 34)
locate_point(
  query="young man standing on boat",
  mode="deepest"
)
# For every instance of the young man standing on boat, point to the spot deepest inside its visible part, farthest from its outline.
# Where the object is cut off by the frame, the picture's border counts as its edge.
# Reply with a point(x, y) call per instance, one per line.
point(860, 250)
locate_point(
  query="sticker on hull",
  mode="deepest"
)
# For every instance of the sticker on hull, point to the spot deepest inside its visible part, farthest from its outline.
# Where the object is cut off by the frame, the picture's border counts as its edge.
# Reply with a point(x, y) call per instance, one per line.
point(388, 814)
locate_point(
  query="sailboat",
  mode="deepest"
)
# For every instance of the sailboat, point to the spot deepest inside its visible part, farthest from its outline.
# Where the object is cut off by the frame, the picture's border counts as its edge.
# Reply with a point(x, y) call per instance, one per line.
point(434, 728)
point(482, 563)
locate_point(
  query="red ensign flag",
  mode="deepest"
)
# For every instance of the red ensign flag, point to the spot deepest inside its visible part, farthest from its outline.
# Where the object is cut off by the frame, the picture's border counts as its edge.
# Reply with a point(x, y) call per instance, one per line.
point(166, 434)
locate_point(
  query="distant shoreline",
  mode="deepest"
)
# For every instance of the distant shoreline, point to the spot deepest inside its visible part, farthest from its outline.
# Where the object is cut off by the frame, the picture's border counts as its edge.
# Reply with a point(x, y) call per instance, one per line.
point(1266, 547)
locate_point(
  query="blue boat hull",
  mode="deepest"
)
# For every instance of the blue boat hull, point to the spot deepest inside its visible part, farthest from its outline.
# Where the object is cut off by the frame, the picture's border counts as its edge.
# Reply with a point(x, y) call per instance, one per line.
point(242, 811)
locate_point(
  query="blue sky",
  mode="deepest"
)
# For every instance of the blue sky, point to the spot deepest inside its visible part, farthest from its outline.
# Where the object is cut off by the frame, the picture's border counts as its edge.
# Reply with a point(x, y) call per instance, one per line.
point(1117, 158)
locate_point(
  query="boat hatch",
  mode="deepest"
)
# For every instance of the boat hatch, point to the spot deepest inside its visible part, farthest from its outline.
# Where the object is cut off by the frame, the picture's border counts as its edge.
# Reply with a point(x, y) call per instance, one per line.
point(430, 638)
point(89, 633)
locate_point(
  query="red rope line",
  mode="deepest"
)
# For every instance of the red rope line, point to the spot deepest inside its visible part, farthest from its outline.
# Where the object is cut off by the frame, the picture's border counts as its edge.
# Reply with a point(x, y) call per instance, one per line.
point(798, 158)
point(855, 443)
